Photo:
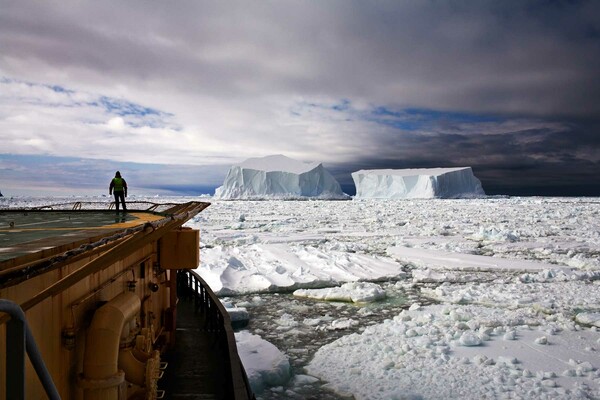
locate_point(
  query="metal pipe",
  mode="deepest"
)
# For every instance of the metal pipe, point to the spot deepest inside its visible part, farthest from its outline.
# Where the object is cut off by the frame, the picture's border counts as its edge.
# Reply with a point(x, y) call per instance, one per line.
point(140, 355)
point(100, 359)
point(135, 370)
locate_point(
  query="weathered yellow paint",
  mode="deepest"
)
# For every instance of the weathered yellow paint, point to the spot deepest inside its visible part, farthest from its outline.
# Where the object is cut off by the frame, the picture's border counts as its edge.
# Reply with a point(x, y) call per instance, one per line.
point(73, 306)
point(48, 318)
point(141, 218)
point(179, 249)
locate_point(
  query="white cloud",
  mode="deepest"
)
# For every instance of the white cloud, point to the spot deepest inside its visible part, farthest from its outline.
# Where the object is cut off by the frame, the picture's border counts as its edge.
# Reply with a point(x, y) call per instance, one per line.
point(62, 122)
point(116, 124)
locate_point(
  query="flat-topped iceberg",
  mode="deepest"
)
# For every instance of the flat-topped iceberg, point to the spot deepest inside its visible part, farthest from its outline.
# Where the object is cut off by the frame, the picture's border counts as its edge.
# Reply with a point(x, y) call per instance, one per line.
point(417, 183)
point(279, 177)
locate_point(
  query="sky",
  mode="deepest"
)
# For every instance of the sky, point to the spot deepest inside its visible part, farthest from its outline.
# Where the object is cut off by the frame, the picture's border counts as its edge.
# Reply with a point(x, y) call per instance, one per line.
point(173, 93)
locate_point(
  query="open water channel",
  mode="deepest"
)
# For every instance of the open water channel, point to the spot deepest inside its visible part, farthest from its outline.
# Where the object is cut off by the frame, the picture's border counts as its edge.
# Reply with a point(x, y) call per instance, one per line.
point(299, 327)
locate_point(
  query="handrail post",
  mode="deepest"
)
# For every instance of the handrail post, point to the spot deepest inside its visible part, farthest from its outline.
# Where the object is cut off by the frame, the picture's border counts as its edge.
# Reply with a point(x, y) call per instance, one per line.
point(196, 297)
point(15, 359)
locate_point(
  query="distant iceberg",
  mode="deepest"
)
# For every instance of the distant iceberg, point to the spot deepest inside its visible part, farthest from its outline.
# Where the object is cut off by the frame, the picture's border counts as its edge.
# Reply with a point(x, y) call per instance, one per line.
point(417, 183)
point(278, 177)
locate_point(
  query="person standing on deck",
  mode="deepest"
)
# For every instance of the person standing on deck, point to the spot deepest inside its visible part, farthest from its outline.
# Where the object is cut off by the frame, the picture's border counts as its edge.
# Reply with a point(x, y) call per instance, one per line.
point(119, 187)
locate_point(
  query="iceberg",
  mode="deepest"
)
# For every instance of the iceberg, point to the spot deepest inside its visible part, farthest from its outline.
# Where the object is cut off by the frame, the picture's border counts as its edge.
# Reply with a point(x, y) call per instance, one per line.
point(279, 177)
point(417, 183)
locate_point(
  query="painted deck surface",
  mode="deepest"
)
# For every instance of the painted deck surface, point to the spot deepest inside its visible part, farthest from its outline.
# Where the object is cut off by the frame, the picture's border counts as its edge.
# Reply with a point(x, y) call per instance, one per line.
point(25, 232)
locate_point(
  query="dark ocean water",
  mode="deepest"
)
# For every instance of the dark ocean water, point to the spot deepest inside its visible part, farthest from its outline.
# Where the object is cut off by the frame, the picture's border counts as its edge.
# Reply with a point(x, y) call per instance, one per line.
point(280, 319)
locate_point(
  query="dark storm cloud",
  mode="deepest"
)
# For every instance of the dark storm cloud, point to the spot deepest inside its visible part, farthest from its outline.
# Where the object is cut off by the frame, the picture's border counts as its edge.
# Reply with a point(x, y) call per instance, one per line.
point(557, 160)
point(512, 56)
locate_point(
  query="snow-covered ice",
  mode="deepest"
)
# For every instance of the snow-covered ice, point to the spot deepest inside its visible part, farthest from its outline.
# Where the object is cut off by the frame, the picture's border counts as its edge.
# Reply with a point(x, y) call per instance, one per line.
point(417, 183)
point(589, 318)
point(280, 177)
point(517, 279)
point(356, 292)
point(265, 365)
point(260, 267)
point(467, 262)
point(442, 352)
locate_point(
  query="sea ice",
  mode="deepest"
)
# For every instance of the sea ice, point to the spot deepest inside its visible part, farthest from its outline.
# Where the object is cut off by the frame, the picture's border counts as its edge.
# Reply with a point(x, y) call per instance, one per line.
point(356, 292)
point(470, 339)
point(265, 365)
point(467, 262)
point(506, 270)
point(265, 267)
point(589, 318)
point(424, 355)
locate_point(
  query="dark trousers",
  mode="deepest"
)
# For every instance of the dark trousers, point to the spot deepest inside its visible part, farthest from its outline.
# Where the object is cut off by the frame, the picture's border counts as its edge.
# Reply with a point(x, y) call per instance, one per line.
point(120, 196)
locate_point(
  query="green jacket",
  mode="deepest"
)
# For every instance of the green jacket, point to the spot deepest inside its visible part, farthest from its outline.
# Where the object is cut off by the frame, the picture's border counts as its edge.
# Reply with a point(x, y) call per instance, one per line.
point(118, 185)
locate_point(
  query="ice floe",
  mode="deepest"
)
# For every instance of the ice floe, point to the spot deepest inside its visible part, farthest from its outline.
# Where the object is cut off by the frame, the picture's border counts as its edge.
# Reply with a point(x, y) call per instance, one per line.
point(265, 365)
point(441, 352)
point(355, 292)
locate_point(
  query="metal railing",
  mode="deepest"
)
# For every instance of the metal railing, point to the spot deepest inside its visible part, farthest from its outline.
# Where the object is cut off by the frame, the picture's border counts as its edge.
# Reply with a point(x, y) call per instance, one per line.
point(135, 205)
point(18, 340)
point(217, 320)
